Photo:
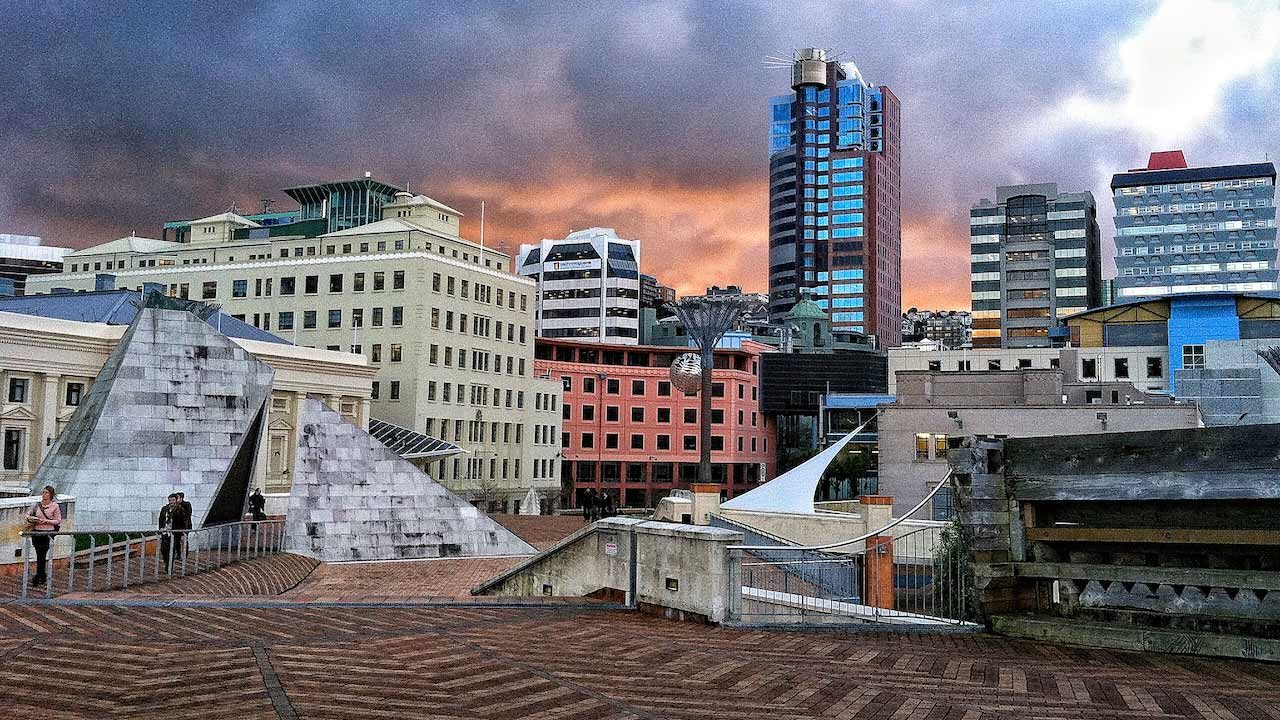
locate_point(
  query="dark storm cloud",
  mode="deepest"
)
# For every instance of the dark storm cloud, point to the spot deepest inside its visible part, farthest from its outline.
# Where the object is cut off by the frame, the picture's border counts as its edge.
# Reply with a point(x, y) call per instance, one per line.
point(647, 117)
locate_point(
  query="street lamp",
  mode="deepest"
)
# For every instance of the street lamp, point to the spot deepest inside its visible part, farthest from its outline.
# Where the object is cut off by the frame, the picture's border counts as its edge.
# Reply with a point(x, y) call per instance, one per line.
point(706, 320)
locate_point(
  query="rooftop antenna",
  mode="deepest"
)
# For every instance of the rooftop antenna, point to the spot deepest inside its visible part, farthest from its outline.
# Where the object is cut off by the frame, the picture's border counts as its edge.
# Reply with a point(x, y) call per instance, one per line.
point(482, 228)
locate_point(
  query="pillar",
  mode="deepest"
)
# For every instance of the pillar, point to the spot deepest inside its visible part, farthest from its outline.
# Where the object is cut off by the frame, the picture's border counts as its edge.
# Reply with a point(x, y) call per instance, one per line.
point(878, 586)
point(46, 430)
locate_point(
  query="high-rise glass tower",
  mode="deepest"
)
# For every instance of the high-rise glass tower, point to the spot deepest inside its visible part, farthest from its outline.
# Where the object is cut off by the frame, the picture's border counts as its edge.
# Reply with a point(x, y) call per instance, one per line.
point(834, 197)
point(1203, 229)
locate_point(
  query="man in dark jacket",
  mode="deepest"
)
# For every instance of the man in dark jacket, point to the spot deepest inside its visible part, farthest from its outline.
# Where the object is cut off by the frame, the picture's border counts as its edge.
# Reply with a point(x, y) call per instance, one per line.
point(589, 505)
point(256, 505)
point(168, 515)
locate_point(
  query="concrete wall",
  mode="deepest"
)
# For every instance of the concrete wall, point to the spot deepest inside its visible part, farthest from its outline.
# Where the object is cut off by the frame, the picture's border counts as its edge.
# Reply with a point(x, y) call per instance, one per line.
point(680, 569)
point(826, 528)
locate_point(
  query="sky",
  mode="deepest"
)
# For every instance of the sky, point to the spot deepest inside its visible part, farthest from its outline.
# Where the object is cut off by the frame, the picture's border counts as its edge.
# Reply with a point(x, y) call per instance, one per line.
point(651, 118)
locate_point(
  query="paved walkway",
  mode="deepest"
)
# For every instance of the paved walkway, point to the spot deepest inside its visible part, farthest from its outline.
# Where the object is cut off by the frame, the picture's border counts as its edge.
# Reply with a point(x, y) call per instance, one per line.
point(344, 662)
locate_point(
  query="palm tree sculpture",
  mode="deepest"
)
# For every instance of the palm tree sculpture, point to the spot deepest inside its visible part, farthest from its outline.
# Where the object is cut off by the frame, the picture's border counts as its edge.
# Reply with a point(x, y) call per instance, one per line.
point(706, 320)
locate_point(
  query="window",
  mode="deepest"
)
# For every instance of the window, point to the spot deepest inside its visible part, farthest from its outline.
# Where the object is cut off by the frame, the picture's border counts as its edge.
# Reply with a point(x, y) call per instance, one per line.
point(18, 390)
point(922, 446)
point(308, 319)
point(379, 281)
point(717, 416)
point(588, 385)
point(357, 317)
point(664, 442)
point(377, 317)
point(664, 388)
point(637, 387)
point(717, 390)
point(690, 442)
point(288, 285)
point(285, 321)
point(397, 280)
point(311, 284)
point(588, 413)
point(335, 318)
point(611, 413)
point(395, 352)
point(588, 440)
point(376, 356)
point(239, 288)
point(611, 386)
point(357, 282)
point(939, 446)
point(690, 416)
point(1193, 357)
point(397, 316)
point(12, 449)
point(335, 283)
point(435, 282)
point(637, 441)
point(74, 392)
point(637, 414)
point(1122, 367)
point(395, 389)
point(209, 290)
point(664, 415)
point(1024, 363)
point(611, 441)
point(1155, 367)
point(1089, 368)
point(993, 364)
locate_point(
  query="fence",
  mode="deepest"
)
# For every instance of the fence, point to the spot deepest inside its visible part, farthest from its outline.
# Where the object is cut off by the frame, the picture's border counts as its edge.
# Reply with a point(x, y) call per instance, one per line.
point(894, 574)
point(112, 559)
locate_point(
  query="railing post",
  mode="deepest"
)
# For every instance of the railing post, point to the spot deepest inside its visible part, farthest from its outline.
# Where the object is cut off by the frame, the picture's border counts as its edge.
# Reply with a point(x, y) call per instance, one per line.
point(93, 550)
point(48, 570)
point(217, 556)
point(111, 578)
point(71, 566)
point(168, 567)
point(185, 549)
point(26, 564)
point(735, 585)
point(126, 561)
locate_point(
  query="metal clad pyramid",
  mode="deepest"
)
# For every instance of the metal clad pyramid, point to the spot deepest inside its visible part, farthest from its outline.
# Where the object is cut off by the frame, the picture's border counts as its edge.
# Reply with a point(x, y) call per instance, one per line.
point(353, 498)
point(169, 412)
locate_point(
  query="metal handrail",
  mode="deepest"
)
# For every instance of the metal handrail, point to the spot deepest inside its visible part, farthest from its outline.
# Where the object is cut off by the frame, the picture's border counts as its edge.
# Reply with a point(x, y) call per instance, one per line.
point(946, 479)
point(244, 538)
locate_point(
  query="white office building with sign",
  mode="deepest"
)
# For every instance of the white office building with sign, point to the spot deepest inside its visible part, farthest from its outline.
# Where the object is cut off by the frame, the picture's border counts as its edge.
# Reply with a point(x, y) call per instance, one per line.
point(588, 286)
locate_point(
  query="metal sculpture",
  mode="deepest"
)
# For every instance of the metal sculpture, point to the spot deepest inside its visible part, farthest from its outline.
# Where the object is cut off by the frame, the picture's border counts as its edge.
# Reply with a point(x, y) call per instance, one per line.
point(706, 320)
point(686, 373)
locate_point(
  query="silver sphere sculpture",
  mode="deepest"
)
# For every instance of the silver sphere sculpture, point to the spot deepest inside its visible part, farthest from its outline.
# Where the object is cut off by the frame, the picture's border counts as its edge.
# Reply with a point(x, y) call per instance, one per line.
point(686, 373)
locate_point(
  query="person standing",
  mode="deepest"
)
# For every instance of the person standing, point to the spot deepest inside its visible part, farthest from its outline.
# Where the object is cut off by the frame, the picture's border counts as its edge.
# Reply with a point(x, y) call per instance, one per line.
point(168, 516)
point(44, 517)
point(589, 504)
point(256, 505)
point(182, 522)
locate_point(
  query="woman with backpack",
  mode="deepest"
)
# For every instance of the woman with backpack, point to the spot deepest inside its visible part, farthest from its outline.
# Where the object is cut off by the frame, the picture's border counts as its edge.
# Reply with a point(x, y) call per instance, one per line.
point(45, 517)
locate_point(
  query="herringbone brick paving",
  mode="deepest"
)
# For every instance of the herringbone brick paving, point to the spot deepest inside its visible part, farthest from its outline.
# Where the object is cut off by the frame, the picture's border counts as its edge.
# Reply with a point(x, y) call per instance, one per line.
point(466, 662)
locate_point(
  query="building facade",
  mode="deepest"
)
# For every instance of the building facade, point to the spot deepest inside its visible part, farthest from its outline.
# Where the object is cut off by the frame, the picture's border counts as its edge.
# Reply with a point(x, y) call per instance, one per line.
point(834, 197)
point(588, 286)
point(445, 323)
point(24, 255)
point(628, 432)
point(914, 430)
point(1186, 230)
point(1035, 258)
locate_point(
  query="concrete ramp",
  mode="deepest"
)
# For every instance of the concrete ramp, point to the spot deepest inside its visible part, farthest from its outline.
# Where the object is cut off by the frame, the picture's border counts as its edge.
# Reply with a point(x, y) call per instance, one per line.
point(679, 570)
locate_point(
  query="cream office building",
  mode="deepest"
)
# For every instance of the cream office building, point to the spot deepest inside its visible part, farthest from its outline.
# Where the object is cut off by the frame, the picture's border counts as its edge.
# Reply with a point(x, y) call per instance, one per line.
point(445, 322)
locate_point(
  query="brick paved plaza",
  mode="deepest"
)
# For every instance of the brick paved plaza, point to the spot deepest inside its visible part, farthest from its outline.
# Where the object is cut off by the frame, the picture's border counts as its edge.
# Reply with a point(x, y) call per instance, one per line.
point(312, 661)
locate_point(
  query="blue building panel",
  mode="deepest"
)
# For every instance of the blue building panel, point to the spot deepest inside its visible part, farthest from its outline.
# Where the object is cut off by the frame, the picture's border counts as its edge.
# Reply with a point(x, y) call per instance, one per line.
point(1195, 320)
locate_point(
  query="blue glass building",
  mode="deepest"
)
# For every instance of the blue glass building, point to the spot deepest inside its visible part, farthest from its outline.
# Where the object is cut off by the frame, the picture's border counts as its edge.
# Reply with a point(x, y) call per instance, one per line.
point(834, 198)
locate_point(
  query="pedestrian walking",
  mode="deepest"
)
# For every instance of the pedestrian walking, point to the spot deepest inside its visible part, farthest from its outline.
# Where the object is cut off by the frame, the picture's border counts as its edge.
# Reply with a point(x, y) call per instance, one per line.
point(44, 517)
point(256, 504)
point(181, 522)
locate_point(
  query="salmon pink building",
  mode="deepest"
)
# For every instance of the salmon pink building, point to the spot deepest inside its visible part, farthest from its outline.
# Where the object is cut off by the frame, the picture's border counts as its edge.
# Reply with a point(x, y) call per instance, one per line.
point(628, 432)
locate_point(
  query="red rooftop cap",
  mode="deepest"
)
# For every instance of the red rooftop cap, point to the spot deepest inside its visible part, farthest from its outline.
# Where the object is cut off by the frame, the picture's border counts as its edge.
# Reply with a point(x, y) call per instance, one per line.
point(1167, 160)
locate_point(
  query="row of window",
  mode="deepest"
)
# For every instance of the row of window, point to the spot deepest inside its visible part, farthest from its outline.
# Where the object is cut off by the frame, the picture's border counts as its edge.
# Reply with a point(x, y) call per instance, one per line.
point(481, 360)
point(613, 386)
point(483, 293)
point(481, 395)
point(1195, 247)
point(310, 285)
point(1194, 186)
point(480, 325)
point(662, 415)
point(587, 441)
point(20, 392)
point(287, 319)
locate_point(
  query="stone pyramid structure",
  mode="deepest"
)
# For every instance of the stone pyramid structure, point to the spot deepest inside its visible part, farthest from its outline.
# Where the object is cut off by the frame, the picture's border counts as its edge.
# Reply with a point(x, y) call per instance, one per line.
point(353, 498)
point(178, 406)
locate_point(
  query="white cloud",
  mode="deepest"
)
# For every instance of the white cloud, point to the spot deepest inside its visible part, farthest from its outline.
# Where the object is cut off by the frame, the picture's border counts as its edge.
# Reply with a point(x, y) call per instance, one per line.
point(1174, 71)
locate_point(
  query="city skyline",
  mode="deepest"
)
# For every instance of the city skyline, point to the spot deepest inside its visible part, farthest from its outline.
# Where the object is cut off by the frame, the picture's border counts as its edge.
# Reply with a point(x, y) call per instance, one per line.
point(586, 116)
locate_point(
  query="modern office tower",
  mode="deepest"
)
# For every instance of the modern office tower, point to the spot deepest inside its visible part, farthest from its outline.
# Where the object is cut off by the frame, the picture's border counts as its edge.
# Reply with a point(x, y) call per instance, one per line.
point(344, 204)
point(25, 255)
point(1204, 229)
point(1034, 259)
point(654, 294)
point(588, 286)
point(834, 197)
point(448, 326)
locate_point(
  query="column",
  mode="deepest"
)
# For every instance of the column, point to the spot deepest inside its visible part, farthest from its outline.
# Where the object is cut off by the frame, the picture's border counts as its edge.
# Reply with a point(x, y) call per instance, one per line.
point(364, 413)
point(46, 427)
